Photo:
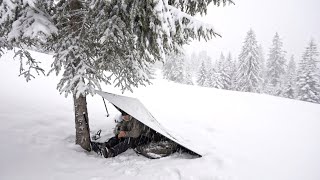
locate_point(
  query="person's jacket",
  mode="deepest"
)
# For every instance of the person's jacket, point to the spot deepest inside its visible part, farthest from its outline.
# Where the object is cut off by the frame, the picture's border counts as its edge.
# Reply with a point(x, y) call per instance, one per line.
point(133, 128)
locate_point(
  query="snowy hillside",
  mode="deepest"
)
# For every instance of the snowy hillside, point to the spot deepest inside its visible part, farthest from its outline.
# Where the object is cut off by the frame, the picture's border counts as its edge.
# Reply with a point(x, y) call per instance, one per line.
point(243, 136)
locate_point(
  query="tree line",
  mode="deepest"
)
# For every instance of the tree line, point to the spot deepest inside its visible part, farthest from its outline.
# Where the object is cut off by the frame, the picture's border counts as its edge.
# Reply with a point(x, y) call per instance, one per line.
point(251, 71)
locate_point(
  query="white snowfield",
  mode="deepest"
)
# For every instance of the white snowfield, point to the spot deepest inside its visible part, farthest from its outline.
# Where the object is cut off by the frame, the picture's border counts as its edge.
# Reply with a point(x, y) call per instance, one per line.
point(243, 136)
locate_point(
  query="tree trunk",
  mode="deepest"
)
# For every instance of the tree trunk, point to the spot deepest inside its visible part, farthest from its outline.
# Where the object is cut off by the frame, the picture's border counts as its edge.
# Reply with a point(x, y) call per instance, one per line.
point(82, 122)
point(80, 103)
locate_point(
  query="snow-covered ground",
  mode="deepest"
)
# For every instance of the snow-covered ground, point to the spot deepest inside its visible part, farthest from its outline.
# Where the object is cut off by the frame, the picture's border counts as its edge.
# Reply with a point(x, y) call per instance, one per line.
point(243, 136)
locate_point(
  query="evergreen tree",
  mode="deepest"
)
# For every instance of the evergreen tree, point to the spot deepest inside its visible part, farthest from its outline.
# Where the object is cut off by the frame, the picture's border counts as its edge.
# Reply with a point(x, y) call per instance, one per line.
point(231, 71)
point(225, 71)
point(202, 78)
point(290, 80)
point(151, 73)
point(214, 79)
point(194, 63)
point(308, 84)
point(263, 74)
point(89, 38)
point(197, 59)
point(276, 66)
point(189, 73)
point(203, 57)
point(173, 68)
point(248, 74)
point(234, 67)
point(176, 70)
point(188, 76)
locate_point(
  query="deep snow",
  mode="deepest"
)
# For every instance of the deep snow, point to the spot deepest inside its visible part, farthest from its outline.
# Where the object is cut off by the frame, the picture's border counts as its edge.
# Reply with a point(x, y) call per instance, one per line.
point(244, 136)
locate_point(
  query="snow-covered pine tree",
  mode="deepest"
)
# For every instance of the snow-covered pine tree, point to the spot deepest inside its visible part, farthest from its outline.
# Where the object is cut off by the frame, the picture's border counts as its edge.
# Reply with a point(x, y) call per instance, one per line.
point(202, 76)
point(21, 21)
point(308, 83)
point(234, 67)
point(189, 73)
point(151, 73)
point(276, 66)
point(289, 90)
point(248, 74)
point(214, 79)
point(203, 57)
point(225, 71)
point(262, 61)
point(204, 69)
point(188, 76)
point(231, 70)
point(194, 63)
point(220, 63)
point(263, 74)
point(88, 38)
point(173, 68)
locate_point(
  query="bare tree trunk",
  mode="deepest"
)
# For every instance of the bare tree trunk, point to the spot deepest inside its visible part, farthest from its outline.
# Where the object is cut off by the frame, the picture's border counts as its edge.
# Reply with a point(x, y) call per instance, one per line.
point(82, 122)
point(80, 103)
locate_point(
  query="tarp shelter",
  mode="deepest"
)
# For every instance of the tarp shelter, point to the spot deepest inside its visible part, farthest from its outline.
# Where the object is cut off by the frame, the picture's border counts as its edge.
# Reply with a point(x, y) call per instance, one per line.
point(137, 110)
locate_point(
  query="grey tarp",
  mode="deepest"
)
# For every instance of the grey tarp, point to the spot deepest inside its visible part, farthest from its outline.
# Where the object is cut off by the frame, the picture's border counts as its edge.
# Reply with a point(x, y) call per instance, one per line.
point(137, 110)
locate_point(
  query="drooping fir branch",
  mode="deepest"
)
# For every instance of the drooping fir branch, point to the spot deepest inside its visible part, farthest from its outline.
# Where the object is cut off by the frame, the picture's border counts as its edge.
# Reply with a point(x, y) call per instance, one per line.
point(200, 6)
point(121, 38)
point(21, 22)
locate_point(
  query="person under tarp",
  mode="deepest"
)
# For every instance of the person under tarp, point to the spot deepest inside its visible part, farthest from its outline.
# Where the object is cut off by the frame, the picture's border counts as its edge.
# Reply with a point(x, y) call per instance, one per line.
point(163, 143)
point(129, 133)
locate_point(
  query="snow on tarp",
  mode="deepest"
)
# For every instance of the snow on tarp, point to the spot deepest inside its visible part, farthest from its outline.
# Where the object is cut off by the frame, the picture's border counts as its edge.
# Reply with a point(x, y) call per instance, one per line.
point(137, 110)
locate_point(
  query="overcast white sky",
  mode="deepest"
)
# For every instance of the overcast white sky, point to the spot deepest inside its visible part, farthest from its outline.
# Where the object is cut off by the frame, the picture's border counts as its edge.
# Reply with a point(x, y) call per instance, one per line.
point(296, 21)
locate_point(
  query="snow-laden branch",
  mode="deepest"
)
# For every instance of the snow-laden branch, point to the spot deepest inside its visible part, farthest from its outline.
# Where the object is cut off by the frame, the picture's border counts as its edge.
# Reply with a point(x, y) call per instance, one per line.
point(90, 38)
